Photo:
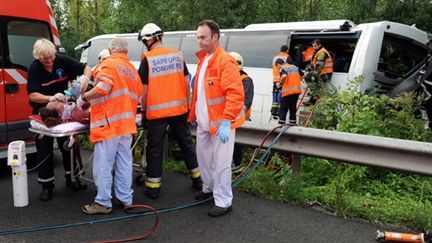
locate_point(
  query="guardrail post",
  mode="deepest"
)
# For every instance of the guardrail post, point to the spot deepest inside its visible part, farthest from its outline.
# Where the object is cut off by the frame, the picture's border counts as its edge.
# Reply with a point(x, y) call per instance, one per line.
point(296, 164)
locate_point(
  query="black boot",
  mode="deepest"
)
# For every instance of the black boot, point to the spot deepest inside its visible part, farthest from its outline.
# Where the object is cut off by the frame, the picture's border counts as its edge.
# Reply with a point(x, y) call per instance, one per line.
point(77, 185)
point(274, 110)
point(47, 192)
point(152, 193)
point(197, 183)
point(140, 179)
point(310, 102)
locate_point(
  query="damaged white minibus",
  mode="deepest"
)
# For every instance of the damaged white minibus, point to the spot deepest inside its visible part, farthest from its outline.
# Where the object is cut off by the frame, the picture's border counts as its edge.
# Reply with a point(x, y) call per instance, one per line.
point(391, 57)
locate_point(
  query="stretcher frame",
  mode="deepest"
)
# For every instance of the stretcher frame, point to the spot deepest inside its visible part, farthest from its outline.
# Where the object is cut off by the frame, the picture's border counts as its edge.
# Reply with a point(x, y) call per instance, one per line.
point(71, 135)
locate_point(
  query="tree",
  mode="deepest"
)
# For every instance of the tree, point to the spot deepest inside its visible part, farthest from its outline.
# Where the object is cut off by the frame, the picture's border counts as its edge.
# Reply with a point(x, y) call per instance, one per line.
point(79, 20)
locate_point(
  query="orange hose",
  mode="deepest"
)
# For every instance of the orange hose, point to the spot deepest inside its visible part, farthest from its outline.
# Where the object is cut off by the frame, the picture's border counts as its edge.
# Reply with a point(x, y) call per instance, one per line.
point(403, 237)
point(138, 237)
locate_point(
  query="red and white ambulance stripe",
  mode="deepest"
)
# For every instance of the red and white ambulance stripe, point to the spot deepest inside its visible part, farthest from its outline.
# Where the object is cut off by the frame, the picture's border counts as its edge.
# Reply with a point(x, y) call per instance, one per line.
point(15, 76)
point(53, 25)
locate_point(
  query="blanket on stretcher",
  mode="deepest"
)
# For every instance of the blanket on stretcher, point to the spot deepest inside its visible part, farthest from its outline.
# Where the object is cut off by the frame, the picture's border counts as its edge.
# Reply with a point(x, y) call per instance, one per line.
point(37, 124)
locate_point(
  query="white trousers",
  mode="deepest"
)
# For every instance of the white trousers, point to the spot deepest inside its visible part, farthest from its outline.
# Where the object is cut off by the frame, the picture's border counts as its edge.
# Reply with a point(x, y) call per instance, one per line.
point(114, 153)
point(214, 161)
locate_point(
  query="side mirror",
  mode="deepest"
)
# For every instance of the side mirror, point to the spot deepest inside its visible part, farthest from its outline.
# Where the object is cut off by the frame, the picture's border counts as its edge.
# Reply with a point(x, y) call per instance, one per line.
point(61, 50)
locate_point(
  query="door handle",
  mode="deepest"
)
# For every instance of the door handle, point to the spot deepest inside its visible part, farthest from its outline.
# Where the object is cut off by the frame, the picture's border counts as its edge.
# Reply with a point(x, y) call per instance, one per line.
point(11, 88)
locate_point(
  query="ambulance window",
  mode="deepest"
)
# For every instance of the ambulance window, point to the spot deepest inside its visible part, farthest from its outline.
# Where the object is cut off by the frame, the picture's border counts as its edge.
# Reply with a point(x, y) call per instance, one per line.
point(257, 48)
point(399, 57)
point(21, 35)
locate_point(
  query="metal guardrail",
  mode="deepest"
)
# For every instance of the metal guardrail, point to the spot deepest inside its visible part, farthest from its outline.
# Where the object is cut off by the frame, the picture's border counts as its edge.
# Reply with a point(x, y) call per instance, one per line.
point(395, 154)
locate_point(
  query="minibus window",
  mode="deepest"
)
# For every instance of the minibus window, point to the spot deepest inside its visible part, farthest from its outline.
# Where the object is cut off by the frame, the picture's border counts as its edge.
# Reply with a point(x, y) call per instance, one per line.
point(135, 49)
point(21, 36)
point(399, 57)
point(96, 46)
point(257, 48)
point(341, 47)
point(189, 46)
point(171, 41)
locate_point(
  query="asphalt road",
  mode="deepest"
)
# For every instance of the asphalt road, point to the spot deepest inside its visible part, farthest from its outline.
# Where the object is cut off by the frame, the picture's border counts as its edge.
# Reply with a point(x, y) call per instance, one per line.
point(252, 220)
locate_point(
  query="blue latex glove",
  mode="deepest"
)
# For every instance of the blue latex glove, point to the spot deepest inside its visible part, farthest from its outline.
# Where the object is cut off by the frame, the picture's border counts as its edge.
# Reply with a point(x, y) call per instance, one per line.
point(224, 131)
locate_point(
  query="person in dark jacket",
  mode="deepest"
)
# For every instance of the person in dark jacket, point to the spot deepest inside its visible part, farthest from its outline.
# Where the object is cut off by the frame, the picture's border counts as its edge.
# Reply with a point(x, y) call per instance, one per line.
point(48, 76)
point(249, 93)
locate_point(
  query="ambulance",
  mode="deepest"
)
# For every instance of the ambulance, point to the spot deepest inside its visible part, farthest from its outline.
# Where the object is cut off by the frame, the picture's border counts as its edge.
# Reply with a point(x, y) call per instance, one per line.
point(22, 22)
point(389, 57)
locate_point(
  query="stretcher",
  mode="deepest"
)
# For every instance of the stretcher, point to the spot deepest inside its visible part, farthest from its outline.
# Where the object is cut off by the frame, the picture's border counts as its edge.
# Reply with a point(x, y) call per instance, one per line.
point(68, 129)
point(71, 129)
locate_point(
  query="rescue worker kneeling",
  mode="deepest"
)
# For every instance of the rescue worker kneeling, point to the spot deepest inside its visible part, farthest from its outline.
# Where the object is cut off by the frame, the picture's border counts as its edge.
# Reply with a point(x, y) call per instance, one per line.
point(165, 103)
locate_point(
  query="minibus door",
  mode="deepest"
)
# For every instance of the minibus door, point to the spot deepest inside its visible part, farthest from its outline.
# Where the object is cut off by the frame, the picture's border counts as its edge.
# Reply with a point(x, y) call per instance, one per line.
point(413, 82)
point(341, 46)
point(403, 65)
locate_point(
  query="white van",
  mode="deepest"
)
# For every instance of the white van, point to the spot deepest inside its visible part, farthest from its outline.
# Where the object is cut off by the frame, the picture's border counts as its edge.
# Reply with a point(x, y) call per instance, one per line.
point(391, 57)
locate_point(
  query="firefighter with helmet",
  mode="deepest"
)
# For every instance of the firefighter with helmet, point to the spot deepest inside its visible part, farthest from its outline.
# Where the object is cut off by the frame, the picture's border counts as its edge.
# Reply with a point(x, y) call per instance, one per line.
point(249, 93)
point(165, 102)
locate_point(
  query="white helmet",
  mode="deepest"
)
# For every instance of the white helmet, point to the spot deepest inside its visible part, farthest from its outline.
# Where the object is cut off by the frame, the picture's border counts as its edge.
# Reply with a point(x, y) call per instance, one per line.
point(238, 58)
point(150, 31)
point(103, 54)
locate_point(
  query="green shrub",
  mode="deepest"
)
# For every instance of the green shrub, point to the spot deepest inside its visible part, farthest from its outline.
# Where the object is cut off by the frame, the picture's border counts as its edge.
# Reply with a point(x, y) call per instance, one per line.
point(374, 194)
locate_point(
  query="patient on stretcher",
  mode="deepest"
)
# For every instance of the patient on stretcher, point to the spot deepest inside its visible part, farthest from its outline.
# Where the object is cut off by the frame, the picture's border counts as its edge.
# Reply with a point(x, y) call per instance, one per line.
point(57, 112)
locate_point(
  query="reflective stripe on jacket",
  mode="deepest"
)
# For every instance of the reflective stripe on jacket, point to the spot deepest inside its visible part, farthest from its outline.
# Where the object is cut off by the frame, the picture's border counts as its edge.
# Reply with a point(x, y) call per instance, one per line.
point(282, 55)
point(292, 83)
point(113, 114)
point(167, 93)
point(328, 63)
point(223, 90)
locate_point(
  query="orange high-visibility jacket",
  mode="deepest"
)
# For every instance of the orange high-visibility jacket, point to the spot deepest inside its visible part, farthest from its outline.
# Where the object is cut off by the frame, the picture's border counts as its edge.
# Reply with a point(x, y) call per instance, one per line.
point(282, 55)
point(167, 93)
point(308, 54)
point(248, 112)
point(223, 90)
point(114, 113)
point(292, 83)
point(328, 63)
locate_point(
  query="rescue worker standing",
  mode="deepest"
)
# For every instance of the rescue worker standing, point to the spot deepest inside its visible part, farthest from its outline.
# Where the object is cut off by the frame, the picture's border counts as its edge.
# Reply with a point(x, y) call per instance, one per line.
point(103, 54)
point(48, 77)
point(217, 107)
point(249, 93)
point(283, 54)
point(322, 67)
point(290, 82)
point(114, 100)
point(165, 103)
point(304, 56)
